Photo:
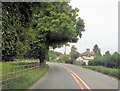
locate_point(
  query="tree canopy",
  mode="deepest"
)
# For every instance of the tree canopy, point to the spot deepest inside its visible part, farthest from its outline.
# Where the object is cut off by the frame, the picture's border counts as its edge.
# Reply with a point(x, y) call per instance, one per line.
point(107, 53)
point(73, 52)
point(96, 50)
point(16, 34)
point(53, 55)
point(30, 28)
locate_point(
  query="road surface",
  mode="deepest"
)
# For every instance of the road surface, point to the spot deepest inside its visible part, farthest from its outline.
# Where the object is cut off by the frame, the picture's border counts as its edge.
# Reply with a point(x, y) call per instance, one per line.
point(65, 76)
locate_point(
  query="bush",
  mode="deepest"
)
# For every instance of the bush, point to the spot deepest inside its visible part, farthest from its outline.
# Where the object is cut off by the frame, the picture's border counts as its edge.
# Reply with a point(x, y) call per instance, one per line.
point(110, 61)
point(69, 61)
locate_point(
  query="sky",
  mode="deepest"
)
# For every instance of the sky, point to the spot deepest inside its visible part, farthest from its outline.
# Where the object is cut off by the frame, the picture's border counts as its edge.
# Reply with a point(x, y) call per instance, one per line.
point(101, 25)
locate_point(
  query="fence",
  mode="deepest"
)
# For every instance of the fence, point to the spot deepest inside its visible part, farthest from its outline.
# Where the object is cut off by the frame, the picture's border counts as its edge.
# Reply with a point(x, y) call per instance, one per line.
point(12, 73)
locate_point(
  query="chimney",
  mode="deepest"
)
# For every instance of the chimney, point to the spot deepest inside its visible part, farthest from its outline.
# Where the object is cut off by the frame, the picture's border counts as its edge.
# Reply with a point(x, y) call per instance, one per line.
point(87, 50)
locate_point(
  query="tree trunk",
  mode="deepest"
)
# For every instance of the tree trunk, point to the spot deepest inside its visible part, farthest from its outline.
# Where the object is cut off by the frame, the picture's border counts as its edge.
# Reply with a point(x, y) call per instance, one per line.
point(41, 60)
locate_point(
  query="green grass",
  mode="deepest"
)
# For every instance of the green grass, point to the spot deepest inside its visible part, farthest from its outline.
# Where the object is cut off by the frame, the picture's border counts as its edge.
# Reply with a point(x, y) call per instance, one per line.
point(10, 67)
point(108, 71)
point(28, 80)
point(23, 81)
point(18, 62)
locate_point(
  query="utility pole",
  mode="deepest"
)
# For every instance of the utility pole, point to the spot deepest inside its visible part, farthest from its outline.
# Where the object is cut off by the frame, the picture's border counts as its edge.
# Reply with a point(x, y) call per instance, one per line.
point(65, 50)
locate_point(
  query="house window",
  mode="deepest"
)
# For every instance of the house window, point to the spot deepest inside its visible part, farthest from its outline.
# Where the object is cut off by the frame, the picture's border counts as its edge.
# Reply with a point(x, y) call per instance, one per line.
point(81, 60)
point(88, 55)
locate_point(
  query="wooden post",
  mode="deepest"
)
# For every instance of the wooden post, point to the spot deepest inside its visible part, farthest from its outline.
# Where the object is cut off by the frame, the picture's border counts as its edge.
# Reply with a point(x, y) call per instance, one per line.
point(27, 67)
point(6, 77)
point(35, 66)
point(23, 69)
point(40, 66)
point(15, 73)
point(31, 67)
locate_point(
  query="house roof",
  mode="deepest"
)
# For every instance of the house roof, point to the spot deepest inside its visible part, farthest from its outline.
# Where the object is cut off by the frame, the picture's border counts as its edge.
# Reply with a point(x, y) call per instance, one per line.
point(87, 53)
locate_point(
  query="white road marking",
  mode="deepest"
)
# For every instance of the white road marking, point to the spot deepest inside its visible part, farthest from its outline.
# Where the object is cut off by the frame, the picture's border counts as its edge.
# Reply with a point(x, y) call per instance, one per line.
point(82, 81)
point(77, 81)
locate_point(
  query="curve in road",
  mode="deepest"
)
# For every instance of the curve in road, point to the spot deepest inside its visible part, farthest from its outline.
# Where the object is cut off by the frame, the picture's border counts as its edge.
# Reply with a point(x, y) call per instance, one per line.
point(65, 76)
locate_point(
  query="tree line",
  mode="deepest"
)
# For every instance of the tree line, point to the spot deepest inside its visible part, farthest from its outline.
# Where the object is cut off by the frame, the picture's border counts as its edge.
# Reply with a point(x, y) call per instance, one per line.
point(110, 61)
point(107, 60)
point(53, 55)
point(29, 29)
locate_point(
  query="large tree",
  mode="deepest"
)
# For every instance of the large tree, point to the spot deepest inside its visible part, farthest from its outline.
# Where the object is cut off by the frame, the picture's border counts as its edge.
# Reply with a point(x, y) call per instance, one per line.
point(16, 33)
point(52, 24)
point(57, 25)
point(73, 52)
point(96, 50)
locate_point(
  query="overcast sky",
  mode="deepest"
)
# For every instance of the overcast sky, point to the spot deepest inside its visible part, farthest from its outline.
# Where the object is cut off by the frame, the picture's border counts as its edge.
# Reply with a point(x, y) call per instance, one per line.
point(101, 25)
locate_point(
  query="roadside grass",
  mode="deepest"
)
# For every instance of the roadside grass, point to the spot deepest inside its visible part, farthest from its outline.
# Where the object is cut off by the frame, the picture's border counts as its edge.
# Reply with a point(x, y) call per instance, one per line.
point(28, 80)
point(23, 81)
point(108, 71)
point(9, 67)
point(18, 62)
point(6, 65)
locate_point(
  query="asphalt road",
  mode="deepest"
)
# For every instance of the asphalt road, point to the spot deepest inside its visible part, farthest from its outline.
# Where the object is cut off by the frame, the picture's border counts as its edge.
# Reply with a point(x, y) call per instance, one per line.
point(65, 76)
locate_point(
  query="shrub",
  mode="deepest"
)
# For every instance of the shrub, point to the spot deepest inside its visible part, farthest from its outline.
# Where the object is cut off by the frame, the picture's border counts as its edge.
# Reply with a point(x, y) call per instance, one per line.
point(110, 61)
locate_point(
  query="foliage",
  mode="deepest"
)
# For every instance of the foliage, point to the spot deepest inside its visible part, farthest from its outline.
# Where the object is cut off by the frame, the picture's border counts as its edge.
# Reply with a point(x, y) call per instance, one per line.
point(69, 61)
point(96, 50)
point(107, 53)
point(110, 61)
point(73, 52)
point(0, 33)
point(66, 59)
point(80, 27)
point(16, 33)
point(109, 71)
point(53, 55)
point(29, 29)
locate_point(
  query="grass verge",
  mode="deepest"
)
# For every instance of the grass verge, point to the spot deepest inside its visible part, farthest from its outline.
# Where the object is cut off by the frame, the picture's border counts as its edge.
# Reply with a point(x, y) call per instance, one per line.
point(28, 80)
point(108, 71)
point(12, 65)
